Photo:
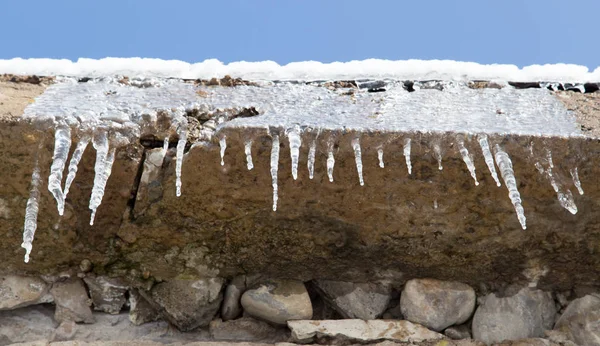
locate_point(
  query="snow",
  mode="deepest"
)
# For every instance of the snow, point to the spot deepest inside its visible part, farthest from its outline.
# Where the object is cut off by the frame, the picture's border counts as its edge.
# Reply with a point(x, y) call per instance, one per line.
point(307, 70)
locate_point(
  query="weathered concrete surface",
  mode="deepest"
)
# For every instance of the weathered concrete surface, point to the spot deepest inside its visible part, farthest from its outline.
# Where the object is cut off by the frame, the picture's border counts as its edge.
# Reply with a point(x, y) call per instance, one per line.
point(222, 225)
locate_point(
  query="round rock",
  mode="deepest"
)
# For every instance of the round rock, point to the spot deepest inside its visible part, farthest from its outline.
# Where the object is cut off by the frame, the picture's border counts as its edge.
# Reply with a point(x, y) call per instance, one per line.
point(437, 304)
point(278, 301)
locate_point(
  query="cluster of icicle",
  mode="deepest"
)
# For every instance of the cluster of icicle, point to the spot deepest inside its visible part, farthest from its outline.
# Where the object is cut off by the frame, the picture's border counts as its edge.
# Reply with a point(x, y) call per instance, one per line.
point(105, 158)
point(500, 158)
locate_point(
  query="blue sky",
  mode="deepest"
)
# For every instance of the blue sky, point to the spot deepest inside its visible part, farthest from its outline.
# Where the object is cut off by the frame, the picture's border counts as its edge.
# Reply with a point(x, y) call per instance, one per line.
point(520, 32)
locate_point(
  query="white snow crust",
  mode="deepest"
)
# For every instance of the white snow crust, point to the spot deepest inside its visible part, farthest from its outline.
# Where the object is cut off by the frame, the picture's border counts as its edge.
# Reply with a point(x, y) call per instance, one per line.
point(307, 70)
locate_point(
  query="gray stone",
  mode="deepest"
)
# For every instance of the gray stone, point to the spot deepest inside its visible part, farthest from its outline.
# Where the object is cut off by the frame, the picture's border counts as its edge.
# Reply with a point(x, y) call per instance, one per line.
point(108, 294)
point(245, 329)
point(278, 301)
point(529, 342)
point(524, 315)
point(140, 310)
point(19, 291)
point(231, 300)
point(365, 301)
point(361, 330)
point(458, 332)
point(437, 304)
point(66, 331)
point(580, 321)
point(72, 301)
point(188, 304)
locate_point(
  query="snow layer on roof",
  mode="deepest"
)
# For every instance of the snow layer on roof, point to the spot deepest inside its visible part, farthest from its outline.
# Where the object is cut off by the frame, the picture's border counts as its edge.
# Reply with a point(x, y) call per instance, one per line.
point(308, 70)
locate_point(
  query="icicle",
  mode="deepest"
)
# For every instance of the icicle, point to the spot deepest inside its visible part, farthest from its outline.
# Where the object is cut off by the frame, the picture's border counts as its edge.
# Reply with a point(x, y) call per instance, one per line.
point(31, 211)
point(179, 160)
point(312, 152)
point(248, 152)
point(565, 199)
point(223, 145)
point(165, 146)
point(380, 157)
point(295, 143)
point(508, 175)
point(330, 164)
point(407, 155)
point(358, 159)
point(576, 180)
point(489, 159)
point(102, 169)
point(468, 161)
point(77, 155)
point(435, 204)
point(438, 153)
point(274, 168)
point(62, 145)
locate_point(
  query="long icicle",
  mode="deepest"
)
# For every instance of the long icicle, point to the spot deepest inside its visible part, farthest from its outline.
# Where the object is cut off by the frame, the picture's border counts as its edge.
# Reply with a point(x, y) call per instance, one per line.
point(407, 155)
point(248, 152)
point(275, 168)
point(576, 181)
point(488, 157)
point(103, 167)
point(179, 160)
point(293, 135)
point(312, 152)
point(438, 153)
point(62, 145)
point(380, 157)
point(31, 211)
point(358, 160)
point(508, 175)
point(464, 152)
point(223, 145)
point(74, 163)
point(330, 163)
point(565, 199)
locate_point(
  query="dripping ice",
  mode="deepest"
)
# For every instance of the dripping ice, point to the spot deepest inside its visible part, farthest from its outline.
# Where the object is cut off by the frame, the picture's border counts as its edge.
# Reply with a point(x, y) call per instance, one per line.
point(407, 155)
point(508, 175)
point(312, 152)
point(293, 135)
point(380, 157)
point(565, 198)
point(489, 159)
point(31, 211)
point(274, 168)
point(330, 163)
point(105, 158)
point(74, 163)
point(438, 153)
point(179, 160)
point(248, 152)
point(464, 152)
point(223, 146)
point(62, 145)
point(576, 181)
point(358, 159)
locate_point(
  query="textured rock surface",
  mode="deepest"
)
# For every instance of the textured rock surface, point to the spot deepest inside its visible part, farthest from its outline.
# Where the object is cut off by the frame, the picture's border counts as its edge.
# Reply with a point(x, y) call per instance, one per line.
point(458, 332)
point(232, 307)
point(108, 294)
point(361, 331)
point(188, 304)
point(140, 310)
point(365, 301)
point(72, 301)
point(246, 329)
point(321, 229)
point(526, 314)
point(581, 321)
point(437, 304)
point(19, 291)
point(278, 301)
